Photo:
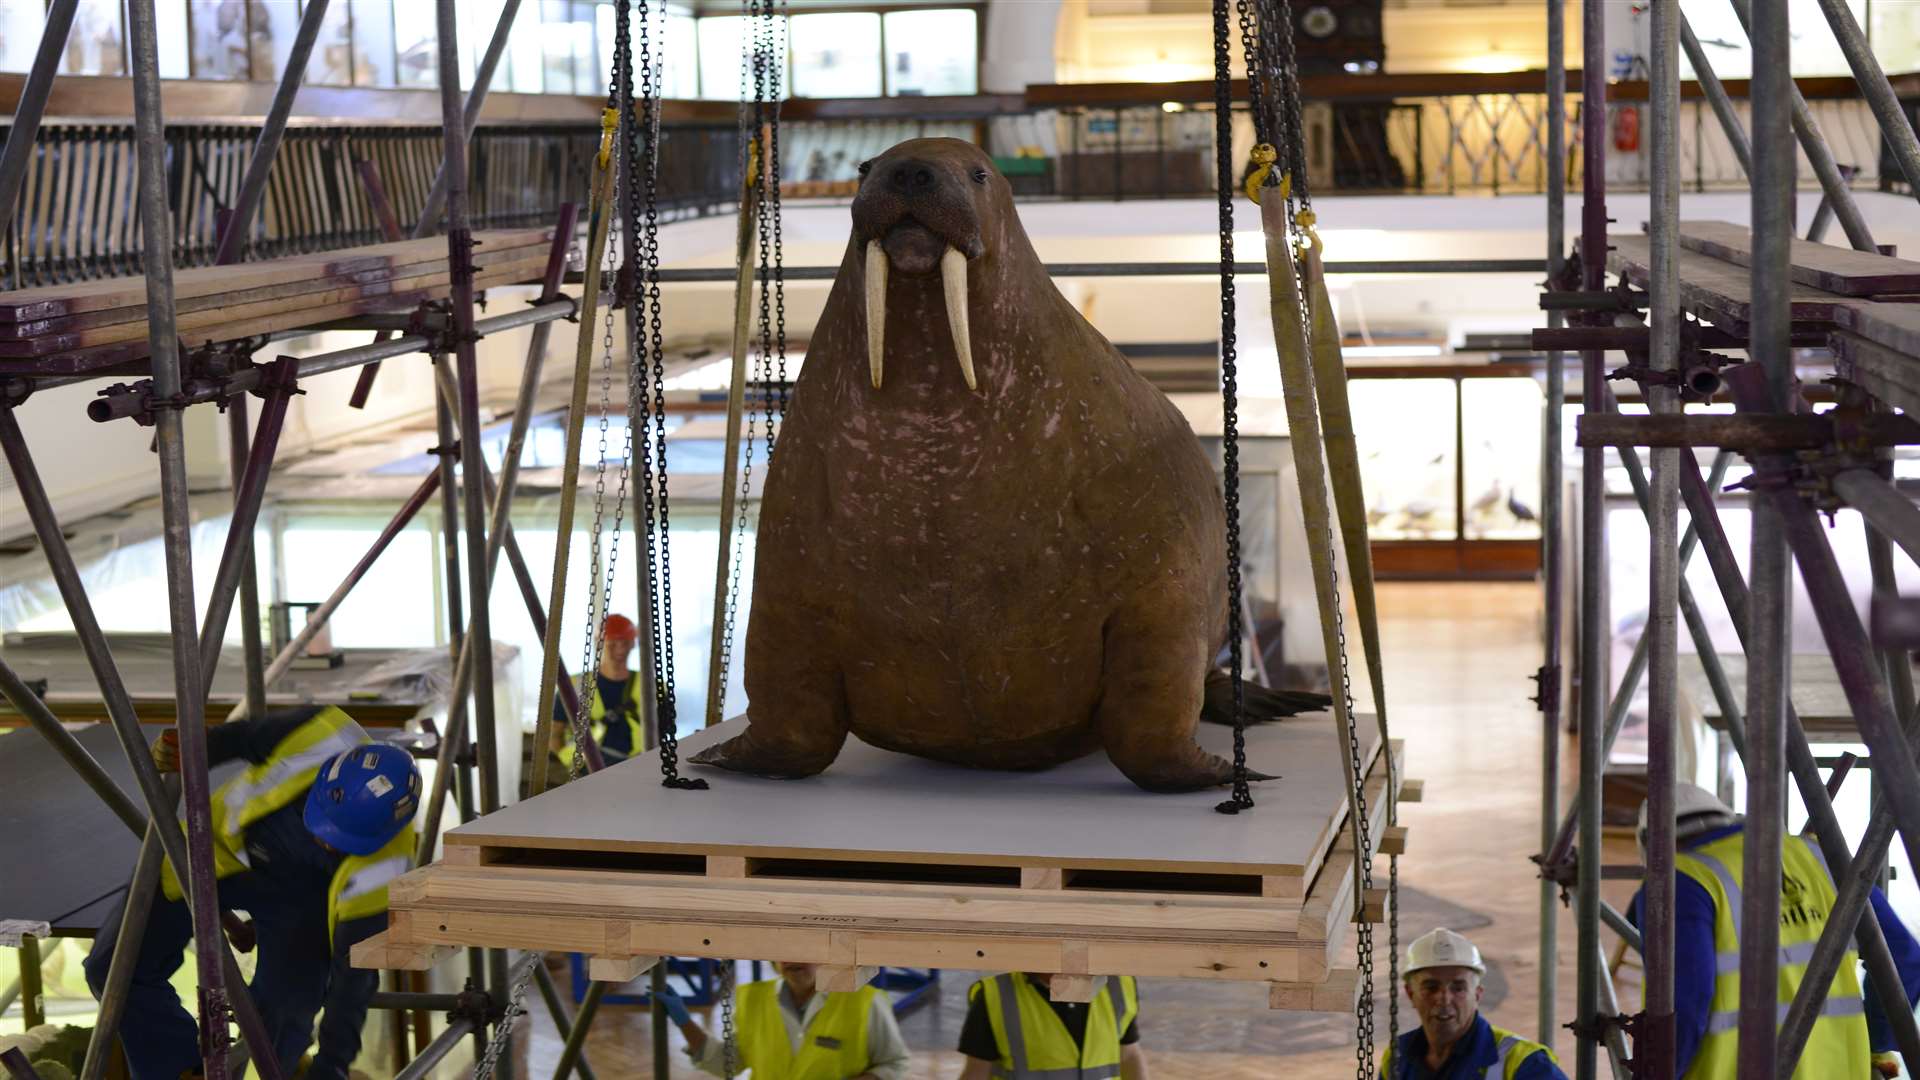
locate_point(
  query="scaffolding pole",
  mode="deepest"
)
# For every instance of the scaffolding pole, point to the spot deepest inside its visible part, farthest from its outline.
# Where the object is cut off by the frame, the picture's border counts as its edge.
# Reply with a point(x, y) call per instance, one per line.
point(1653, 1050)
point(472, 460)
point(1593, 549)
point(1549, 683)
point(1770, 640)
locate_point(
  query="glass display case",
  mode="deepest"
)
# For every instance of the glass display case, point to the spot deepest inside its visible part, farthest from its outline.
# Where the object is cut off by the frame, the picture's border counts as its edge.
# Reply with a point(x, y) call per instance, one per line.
point(1450, 459)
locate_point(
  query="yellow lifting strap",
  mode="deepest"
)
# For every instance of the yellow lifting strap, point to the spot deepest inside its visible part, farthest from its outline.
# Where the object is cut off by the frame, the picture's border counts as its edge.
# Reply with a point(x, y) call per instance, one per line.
point(1349, 498)
point(600, 216)
point(1312, 452)
point(751, 192)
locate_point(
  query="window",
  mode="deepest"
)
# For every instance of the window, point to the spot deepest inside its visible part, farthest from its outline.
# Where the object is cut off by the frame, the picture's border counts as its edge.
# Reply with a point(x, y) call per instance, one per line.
point(96, 45)
point(20, 29)
point(271, 28)
point(841, 54)
point(332, 61)
point(836, 55)
point(524, 50)
point(720, 57)
point(219, 39)
point(416, 45)
point(680, 57)
point(373, 55)
point(933, 52)
point(556, 47)
point(1815, 52)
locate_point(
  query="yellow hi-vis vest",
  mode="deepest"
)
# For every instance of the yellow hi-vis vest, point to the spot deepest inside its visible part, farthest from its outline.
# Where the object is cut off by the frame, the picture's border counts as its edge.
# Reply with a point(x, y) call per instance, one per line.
point(833, 1047)
point(1513, 1050)
point(1035, 1045)
point(1838, 1045)
point(359, 885)
point(597, 715)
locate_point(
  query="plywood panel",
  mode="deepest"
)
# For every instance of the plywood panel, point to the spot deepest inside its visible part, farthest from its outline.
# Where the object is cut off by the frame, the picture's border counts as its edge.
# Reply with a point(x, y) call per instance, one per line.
point(874, 805)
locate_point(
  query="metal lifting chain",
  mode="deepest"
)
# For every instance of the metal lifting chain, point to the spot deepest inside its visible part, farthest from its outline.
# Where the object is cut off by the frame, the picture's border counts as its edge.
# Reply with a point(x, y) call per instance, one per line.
point(1267, 30)
point(1242, 797)
point(762, 130)
point(503, 1029)
point(648, 385)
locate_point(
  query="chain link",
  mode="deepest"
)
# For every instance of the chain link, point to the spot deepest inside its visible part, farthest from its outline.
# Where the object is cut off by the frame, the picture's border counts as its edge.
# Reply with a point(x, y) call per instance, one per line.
point(1267, 40)
point(1242, 797)
point(647, 387)
point(503, 1029)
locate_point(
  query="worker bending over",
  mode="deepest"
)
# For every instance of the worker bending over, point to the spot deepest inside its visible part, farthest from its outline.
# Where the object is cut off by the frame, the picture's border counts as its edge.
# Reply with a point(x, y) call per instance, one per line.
point(1014, 1028)
point(788, 1029)
point(305, 840)
point(616, 717)
point(1711, 843)
point(1454, 1042)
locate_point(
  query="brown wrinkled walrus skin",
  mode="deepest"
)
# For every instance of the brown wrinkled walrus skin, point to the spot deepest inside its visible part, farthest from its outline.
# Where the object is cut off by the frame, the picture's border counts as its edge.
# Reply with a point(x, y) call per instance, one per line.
point(1008, 576)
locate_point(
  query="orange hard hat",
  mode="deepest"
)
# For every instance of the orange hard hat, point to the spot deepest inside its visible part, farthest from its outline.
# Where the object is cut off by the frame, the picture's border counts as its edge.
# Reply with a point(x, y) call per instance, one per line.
point(618, 628)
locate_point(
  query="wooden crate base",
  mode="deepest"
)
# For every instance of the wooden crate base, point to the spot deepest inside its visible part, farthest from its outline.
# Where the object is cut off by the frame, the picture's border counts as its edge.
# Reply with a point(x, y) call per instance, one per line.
point(853, 913)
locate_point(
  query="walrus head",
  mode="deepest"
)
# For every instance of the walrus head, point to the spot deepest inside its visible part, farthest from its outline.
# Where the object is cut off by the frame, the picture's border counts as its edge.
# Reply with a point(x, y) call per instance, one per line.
point(920, 208)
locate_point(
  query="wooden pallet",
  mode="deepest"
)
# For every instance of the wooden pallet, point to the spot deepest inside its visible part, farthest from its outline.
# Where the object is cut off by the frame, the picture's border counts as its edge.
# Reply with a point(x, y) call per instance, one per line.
point(1161, 910)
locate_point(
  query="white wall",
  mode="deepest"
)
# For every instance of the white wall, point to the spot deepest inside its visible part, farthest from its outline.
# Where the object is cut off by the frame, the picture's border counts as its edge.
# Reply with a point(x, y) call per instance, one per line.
point(1018, 44)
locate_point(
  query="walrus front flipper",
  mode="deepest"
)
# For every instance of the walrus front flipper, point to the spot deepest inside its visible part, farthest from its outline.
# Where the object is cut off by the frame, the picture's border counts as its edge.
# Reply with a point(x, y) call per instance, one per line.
point(1150, 700)
point(797, 705)
point(750, 752)
point(1262, 703)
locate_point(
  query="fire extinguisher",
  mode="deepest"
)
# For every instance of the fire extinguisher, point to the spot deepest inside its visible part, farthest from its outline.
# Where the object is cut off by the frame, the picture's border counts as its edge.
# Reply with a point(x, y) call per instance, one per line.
point(1626, 129)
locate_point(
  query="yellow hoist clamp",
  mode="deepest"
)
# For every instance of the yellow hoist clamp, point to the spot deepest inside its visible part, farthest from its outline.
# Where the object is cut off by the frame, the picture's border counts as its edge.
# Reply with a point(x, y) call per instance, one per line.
point(609, 123)
point(1264, 155)
point(1308, 236)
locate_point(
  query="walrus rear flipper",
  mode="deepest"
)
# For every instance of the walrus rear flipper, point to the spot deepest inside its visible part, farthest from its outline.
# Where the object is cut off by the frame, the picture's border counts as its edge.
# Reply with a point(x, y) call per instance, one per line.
point(1262, 703)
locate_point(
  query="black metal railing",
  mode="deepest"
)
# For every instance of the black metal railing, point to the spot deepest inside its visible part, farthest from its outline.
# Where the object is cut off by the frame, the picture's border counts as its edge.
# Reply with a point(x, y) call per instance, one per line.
point(76, 219)
point(1409, 134)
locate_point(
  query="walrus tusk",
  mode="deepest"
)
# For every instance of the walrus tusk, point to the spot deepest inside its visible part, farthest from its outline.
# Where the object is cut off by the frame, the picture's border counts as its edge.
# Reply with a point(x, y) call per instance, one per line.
point(876, 310)
point(953, 276)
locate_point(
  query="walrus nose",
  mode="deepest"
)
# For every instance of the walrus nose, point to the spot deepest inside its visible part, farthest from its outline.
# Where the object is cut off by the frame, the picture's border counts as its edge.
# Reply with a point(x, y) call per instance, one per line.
point(910, 177)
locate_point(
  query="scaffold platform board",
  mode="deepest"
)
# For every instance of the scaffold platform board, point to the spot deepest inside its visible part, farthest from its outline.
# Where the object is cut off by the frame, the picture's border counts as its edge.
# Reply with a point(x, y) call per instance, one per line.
point(1827, 267)
point(890, 860)
point(88, 326)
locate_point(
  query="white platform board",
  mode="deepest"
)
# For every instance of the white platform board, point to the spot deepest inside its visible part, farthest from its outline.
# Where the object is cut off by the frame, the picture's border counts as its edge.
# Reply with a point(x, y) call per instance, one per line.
point(877, 805)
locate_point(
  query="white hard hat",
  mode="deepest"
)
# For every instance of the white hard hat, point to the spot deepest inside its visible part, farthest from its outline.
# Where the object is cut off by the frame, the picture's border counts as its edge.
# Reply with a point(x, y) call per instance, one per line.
point(1443, 948)
point(1695, 810)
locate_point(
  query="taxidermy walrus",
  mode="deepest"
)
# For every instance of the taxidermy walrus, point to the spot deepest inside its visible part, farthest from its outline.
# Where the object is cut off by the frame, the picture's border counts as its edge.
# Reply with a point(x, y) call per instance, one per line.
point(985, 539)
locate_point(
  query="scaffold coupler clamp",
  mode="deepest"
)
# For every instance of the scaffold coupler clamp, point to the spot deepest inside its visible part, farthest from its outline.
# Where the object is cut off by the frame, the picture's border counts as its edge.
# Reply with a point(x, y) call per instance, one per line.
point(1564, 873)
point(1600, 1025)
point(1546, 688)
point(475, 1004)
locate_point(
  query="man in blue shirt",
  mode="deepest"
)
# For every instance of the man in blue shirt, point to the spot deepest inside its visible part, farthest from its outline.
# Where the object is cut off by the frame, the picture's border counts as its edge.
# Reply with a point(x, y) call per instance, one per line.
point(1453, 1041)
point(1708, 836)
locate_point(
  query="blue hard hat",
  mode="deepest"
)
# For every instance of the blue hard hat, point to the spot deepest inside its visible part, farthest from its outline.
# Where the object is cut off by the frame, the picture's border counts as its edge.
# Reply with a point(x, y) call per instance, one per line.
point(363, 798)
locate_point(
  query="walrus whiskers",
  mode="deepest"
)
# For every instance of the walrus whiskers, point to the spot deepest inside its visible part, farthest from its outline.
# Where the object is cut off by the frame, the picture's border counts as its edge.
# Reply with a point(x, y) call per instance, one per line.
point(953, 277)
point(876, 311)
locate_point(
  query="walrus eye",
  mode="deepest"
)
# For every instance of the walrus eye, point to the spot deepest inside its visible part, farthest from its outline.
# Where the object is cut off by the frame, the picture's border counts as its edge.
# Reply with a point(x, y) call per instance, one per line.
point(865, 167)
point(979, 176)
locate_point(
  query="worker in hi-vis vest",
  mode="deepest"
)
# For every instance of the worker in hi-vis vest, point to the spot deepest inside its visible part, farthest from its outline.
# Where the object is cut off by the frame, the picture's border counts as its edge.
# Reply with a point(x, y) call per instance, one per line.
point(788, 1029)
point(1442, 980)
point(305, 840)
point(1851, 1037)
point(616, 716)
point(1015, 1028)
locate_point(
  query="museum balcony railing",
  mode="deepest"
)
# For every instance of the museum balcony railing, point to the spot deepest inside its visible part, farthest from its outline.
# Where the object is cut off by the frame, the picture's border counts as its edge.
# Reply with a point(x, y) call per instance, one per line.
point(1388, 134)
